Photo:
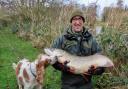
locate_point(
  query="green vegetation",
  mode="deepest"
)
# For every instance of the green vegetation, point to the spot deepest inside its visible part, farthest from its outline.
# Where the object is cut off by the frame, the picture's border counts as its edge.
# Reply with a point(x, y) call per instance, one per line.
point(12, 49)
point(35, 26)
point(114, 44)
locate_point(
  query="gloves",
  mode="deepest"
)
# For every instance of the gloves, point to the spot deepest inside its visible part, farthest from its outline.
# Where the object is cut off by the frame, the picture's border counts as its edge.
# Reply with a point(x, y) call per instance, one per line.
point(96, 71)
point(93, 71)
point(63, 67)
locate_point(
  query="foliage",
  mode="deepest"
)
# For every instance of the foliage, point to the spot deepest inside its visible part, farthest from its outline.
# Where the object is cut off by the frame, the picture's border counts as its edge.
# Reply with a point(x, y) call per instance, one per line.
point(40, 24)
point(109, 81)
point(124, 25)
point(13, 49)
point(114, 16)
point(114, 43)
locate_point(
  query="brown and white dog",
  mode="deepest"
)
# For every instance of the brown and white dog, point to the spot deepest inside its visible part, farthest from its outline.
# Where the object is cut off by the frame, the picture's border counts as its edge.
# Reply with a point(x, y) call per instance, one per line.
point(30, 74)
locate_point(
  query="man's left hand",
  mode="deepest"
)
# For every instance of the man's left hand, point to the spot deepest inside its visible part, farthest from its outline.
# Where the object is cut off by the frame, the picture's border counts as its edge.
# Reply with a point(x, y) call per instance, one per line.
point(96, 71)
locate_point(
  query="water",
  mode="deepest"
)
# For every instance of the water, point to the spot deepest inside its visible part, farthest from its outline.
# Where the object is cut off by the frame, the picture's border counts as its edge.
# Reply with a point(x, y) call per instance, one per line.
point(98, 29)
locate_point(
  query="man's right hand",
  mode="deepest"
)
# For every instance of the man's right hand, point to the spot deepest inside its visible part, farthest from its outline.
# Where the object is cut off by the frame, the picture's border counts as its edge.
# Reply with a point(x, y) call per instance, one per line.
point(63, 67)
point(96, 71)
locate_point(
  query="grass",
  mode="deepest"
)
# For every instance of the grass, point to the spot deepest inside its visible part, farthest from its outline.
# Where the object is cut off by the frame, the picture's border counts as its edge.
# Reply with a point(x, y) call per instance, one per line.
point(12, 49)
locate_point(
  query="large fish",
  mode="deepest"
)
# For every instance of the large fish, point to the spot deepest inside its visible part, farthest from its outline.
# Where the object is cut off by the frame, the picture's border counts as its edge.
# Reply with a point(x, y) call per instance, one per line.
point(80, 64)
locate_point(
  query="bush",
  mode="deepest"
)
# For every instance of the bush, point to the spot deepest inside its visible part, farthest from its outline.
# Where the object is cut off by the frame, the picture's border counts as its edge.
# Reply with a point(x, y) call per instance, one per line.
point(108, 81)
point(114, 43)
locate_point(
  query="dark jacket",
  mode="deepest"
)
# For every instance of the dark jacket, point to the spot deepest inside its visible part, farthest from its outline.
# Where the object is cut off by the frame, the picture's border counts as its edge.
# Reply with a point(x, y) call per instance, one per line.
point(81, 44)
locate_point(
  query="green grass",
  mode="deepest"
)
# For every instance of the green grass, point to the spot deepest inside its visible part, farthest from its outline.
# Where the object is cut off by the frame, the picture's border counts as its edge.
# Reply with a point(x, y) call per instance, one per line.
point(12, 49)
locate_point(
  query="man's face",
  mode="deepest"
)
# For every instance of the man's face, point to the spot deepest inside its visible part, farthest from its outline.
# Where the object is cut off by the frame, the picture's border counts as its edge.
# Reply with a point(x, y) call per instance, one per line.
point(77, 24)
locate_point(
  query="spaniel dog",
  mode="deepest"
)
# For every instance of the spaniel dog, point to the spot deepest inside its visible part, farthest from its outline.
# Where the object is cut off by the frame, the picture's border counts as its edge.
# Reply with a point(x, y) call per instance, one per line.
point(30, 74)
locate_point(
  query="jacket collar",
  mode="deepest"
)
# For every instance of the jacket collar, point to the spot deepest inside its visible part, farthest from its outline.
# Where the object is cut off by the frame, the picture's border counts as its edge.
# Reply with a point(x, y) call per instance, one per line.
point(84, 34)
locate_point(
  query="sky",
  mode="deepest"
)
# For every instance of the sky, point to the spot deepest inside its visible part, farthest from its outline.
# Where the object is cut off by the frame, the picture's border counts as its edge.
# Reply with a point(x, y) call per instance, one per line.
point(102, 3)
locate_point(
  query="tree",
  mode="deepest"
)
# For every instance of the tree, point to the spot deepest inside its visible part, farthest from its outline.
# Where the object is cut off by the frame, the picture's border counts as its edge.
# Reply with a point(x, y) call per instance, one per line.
point(120, 3)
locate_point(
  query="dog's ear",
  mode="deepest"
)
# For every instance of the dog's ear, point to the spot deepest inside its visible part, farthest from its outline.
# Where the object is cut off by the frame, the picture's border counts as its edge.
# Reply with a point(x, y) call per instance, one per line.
point(18, 68)
point(40, 71)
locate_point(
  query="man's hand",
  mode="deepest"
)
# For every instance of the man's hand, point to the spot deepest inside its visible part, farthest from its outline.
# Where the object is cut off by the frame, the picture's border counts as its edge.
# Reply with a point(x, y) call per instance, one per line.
point(91, 69)
point(68, 69)
point(89, 73)
point(64, 67)
point(96, 71)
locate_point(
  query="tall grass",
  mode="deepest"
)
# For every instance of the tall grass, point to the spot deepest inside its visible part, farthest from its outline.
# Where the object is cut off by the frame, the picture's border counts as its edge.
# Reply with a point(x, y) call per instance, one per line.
point(41, 24)
point(114, 46)
point(114, 17)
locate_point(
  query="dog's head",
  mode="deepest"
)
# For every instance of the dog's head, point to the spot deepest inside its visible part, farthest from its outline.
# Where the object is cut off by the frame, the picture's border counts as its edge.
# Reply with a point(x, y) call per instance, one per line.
point(53, 53)
point(43, 59)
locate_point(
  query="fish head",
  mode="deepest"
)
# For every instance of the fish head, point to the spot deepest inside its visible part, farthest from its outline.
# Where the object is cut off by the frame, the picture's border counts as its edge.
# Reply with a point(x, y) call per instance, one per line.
point(53, 53)
point(42, 58)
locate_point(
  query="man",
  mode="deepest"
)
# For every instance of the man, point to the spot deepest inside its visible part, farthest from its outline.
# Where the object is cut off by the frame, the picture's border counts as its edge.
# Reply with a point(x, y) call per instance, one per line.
point(77, 41)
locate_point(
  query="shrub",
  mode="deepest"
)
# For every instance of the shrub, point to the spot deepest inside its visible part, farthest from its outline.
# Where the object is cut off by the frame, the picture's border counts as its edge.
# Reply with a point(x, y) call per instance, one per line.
point(114, 43)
